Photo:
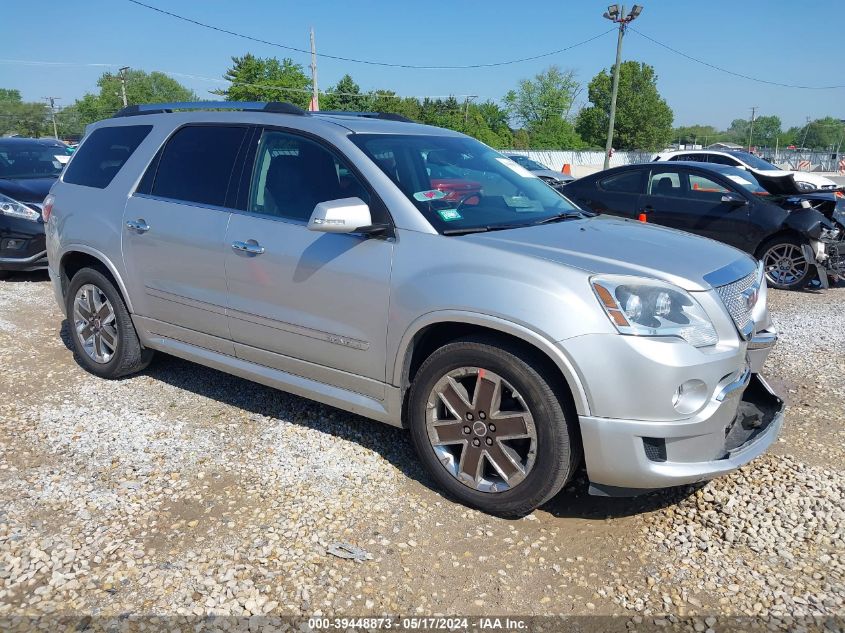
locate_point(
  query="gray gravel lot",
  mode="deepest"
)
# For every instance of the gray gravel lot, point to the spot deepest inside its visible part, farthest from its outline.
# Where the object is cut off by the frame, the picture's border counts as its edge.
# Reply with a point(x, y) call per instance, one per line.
point(184, 491)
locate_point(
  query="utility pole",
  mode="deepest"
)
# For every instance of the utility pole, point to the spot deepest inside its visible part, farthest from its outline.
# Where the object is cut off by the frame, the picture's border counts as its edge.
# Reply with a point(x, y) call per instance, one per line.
point(466, 106)
point(122, 72)
point(751, 127)
point(804, 139)
point(51, 101)
point(614, 14)
point(315, 95)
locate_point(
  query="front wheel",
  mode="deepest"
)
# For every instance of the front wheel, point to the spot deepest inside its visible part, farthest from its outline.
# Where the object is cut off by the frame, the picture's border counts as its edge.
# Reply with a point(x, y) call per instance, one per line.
point(489, 427)
point(784, 263)
point(103, 335)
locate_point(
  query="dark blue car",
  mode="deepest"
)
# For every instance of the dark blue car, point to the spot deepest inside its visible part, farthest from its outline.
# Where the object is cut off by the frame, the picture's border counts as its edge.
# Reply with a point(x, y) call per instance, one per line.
point(28, 168)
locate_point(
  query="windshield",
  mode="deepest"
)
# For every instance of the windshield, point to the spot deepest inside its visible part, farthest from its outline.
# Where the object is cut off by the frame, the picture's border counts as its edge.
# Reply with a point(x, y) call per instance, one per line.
point(745, 180)
point(32, 160)
point(755, 162)
point(527, 162)
point(459, 184)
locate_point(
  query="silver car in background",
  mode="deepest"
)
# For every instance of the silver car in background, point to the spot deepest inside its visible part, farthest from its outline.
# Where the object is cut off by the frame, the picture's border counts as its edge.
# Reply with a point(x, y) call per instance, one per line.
point(514, 335)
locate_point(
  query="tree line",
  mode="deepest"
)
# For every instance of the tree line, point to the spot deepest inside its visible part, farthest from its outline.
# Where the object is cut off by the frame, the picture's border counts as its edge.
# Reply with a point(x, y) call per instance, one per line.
point(540, 112)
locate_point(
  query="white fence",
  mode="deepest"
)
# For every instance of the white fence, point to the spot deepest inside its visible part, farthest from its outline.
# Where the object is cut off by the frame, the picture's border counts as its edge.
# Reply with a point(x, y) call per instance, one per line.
point(583, 163)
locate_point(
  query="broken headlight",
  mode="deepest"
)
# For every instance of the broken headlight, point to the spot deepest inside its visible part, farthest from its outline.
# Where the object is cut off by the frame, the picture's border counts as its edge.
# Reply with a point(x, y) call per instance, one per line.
point(647, 307)
point(830, 234)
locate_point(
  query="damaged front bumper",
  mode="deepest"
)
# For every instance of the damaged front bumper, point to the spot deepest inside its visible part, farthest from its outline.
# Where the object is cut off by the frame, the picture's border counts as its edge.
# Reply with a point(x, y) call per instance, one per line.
point(828, 258)
point(629, 457)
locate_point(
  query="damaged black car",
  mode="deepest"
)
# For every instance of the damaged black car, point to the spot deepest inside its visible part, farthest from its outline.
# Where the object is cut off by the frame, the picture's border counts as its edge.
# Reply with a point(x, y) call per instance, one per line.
point(799, 235)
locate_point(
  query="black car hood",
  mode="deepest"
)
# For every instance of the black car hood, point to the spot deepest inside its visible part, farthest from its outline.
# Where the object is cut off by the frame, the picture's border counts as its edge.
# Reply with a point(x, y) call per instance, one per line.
point(26, 189)
point(778, 185)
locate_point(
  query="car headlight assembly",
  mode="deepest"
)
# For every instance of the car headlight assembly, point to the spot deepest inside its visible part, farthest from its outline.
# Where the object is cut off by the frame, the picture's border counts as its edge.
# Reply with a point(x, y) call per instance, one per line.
point(805, 186)
point(15, 209)
point(645, 307)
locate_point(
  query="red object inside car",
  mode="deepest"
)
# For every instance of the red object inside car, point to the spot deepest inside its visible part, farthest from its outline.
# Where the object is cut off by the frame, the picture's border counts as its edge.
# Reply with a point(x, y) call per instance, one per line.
point(457, 189)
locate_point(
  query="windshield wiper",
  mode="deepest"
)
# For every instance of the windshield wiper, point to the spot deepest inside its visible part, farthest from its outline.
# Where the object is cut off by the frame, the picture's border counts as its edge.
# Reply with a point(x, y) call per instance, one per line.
point(566, 215)
point(465, 231)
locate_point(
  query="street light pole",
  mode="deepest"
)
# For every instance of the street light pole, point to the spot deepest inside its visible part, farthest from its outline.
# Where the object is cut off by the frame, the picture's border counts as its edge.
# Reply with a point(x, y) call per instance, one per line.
point(122, 72)
point(52, 102)
point(617, 15)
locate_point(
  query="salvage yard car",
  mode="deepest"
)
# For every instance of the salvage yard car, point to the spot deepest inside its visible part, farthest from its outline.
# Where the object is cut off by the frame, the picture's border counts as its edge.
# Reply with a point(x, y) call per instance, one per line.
point(515, 336)
point(551, 177)
point(28, 168)
point(804, 180)
point(799, 235)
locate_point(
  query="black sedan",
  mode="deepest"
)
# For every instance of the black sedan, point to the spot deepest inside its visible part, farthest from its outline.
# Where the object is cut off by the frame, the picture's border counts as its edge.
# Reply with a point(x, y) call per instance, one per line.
point(798, 235)
point(28, 168)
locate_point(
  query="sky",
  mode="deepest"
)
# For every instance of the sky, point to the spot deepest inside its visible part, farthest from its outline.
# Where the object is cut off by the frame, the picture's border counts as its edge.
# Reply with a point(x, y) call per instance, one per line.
point(776, 40)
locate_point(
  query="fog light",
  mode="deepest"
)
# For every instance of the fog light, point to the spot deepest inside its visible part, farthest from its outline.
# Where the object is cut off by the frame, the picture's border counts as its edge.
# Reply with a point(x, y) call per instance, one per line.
point(13, 244)
point(690, 396)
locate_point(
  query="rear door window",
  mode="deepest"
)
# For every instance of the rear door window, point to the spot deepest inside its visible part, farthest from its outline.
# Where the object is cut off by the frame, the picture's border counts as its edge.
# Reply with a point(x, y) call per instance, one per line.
point(197, 164)
point(103, 154)
point(626, 182)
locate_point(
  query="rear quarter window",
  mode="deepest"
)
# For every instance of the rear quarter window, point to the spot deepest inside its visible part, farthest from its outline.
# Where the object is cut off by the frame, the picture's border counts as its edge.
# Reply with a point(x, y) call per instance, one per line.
point(102, 155)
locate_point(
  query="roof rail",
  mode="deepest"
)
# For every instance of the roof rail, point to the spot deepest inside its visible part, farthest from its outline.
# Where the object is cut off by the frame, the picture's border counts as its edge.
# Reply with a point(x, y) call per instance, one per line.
point(278, 107)
point(387, 116)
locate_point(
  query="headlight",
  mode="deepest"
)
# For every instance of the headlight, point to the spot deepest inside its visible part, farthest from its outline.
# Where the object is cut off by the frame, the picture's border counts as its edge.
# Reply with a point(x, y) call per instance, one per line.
point(805, 186)
point(646, 307)
point(16, 209)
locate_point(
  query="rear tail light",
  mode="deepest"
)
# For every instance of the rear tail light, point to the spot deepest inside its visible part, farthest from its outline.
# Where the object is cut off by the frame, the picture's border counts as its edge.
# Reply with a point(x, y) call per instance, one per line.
point(47, 207)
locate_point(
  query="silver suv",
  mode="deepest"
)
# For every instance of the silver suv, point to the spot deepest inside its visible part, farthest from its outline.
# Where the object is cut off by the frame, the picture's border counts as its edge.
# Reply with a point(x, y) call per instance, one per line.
point(415, 276)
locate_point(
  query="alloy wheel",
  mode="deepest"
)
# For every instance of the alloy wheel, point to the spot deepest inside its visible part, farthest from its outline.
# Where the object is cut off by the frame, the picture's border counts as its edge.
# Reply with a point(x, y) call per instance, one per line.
point(95, 323)
point(784, 264)
point(481, 429)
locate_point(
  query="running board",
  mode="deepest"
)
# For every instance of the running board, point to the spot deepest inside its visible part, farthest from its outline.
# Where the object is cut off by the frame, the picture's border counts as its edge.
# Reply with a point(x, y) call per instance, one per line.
point(387, 411)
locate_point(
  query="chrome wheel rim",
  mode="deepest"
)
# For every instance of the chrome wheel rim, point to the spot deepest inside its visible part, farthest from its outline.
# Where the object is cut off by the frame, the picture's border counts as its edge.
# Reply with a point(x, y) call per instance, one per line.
point(95, 323)
point(785, 264)
point(481, 430)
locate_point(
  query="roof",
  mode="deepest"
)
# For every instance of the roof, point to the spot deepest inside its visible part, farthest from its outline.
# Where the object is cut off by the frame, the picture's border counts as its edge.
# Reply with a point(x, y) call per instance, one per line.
point(21, 140)
point(272, 114)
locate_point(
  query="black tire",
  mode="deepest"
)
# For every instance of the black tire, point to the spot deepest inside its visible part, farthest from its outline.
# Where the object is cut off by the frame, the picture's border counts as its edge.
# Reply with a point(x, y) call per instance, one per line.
point(788, 282)
point(558, 450)
point(129, 357)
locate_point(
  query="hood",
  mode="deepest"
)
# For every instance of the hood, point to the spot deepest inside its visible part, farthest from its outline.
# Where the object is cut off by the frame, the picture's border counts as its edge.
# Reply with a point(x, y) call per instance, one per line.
point(26, 189)
point(549, 173)
point(609, 245)
point(784, 183)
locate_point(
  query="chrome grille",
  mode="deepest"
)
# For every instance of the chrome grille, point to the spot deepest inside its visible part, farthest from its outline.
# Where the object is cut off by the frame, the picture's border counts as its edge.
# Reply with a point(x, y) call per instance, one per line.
point(735, 300)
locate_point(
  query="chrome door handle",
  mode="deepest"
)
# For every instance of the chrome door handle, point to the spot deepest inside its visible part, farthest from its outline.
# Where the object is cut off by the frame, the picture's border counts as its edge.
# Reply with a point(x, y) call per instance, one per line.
point(138, 225)
point(253, 248)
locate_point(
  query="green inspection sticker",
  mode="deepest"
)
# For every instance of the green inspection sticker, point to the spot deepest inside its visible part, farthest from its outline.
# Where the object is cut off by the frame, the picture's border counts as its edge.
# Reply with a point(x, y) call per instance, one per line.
point(448, 215)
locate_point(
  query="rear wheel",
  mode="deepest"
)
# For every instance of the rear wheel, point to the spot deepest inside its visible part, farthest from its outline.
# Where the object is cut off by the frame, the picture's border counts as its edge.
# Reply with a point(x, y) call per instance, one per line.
point(489, 428)
point(784, 263)
point(103, 335)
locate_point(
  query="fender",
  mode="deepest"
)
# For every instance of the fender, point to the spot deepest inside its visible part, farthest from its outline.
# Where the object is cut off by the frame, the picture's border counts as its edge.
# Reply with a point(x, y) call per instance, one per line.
point(82, 248)
point(554, 352)
point(808, 222)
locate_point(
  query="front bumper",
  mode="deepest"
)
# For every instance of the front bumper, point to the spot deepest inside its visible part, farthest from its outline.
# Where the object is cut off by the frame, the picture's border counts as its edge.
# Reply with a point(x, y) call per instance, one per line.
point(630, 456)
point(22, 245)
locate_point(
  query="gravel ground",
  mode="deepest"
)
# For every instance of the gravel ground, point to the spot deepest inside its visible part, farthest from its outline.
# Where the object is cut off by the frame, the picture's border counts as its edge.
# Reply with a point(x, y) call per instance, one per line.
point(186, 492)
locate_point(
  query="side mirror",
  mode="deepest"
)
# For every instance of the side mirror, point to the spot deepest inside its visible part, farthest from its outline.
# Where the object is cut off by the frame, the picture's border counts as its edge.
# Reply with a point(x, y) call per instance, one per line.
point(346, 215)
point(734, 199)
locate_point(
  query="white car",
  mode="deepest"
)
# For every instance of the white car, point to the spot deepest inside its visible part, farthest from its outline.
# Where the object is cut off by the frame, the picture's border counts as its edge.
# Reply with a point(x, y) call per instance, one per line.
point(745, 160)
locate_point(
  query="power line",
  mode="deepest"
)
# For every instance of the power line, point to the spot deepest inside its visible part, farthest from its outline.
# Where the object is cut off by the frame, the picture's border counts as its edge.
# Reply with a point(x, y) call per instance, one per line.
point(725, 70)
point(364, 61)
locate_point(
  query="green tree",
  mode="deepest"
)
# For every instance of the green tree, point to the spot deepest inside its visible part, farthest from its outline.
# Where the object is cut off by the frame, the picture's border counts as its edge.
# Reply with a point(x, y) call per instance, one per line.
point(10, 95)
point(141, 87)
point(266, 79)
point(543, 105)
point(737, 132)
point(643, 118)
point(767, 130)
point(825, 133)
point(24, 118)
point(344, 95)
point(696, 134)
